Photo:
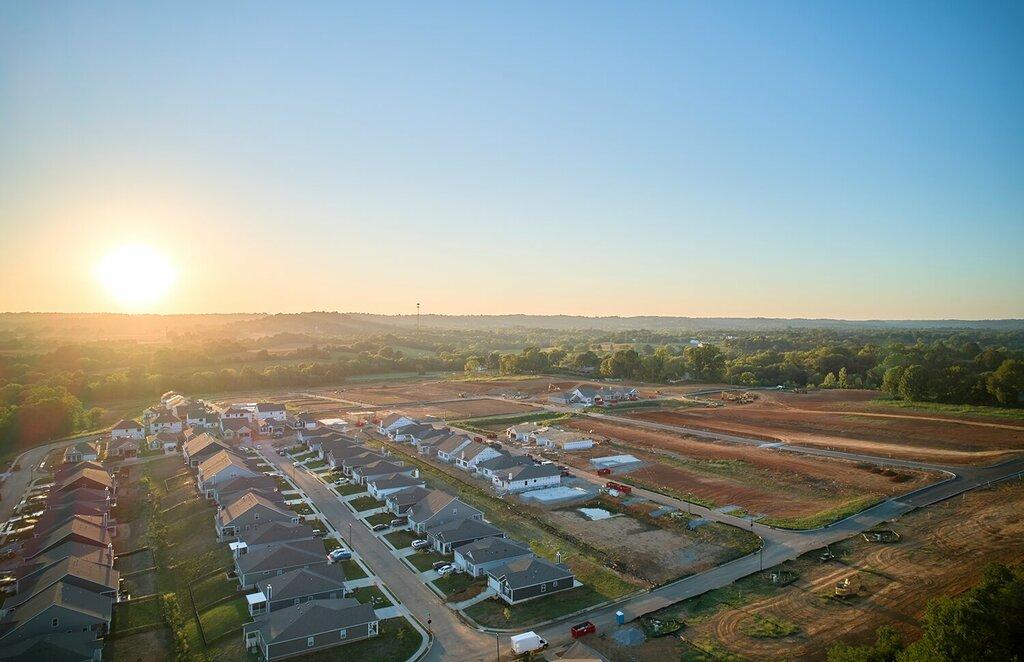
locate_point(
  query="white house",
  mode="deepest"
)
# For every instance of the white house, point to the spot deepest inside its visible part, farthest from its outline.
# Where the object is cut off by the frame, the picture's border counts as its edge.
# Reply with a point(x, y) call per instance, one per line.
point(447, 450)
point(166, 423)
point(128, 428)
point(393, 421)
point(529, 477)
point(563, 439)
point(271, 411)
point(470, 455)
point(380, 488)
point(590, 396)
point(521, 432)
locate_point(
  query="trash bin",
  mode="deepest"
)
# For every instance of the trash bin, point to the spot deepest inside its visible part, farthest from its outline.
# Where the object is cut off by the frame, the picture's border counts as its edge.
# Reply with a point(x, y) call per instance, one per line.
point(620, 617)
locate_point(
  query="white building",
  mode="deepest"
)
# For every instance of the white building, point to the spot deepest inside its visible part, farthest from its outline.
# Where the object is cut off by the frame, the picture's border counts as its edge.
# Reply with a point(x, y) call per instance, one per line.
point(530, 477)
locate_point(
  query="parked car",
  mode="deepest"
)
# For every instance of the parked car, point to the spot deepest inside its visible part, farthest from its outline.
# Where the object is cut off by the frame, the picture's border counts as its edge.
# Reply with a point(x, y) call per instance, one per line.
point(400, 521)
point(438, 565)
point(604, 471)
point(319, 533)
point(420, 544)
point(340, 554)
point(379, 527)
point(566, 474)
point(581, 629)
point(446, 569)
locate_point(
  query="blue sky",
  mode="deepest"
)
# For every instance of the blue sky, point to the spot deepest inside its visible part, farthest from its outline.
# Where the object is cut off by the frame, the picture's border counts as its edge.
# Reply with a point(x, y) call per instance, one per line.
point(779, 159)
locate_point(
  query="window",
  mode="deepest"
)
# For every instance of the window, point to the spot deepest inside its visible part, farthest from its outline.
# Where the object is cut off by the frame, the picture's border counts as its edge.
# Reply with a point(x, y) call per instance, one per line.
point(309, 642)
point(257, 515)
point(54, 623)
point(543, 588)
point(296, 601)
point(343, 633)
point(554, 583)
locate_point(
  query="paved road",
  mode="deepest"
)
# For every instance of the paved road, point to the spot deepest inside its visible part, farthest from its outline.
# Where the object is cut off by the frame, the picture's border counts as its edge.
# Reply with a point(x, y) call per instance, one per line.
point(453, 639)
point(18, 482)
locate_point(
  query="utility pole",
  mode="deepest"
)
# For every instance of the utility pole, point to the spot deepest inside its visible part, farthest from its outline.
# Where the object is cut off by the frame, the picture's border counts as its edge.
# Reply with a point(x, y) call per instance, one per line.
point(497, 649)
point(762, 557)
point(417, 317)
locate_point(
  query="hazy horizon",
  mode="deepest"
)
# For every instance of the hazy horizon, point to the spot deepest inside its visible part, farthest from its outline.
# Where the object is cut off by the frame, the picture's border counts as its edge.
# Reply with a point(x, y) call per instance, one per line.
point(729, 160)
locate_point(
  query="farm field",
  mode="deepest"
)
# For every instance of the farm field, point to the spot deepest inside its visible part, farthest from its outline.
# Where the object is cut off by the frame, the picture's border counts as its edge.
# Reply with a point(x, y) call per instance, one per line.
point(851, 421)
point(470, 409)
point(985, 526)
point(772, 483)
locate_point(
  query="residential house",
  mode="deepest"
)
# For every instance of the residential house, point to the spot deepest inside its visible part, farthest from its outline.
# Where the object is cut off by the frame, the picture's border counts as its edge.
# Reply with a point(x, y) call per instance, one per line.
point(521, 432)
point(248, 512)
point(401, 501)
point(479, 556)
point(561, 439)
point(524, 579)
point(379, 469)
point(221, 468)
point(83, 451)
point(236, 430)
point(123, 447)
point(201, 418)
point(227, 491)
point(166, 441)
point(447, 449)
point(322, 582)
point(166, 422)
point(62, 607)
point(310, 626)
point(29, 570)
point(96, 577)
point(380, 487)
point(202, 448)
point(55, 646)
point(528, 477)
point(366, 457)
point(306, 421)
point(472, 454)
point(169, 396)
point(438, 508)
point(128, 428)
point(392, 421)
point(426, 436)
point(503, 462)
point(236, 413)
point(75, 530)
point(95, 479)
point(444, 538)
point(409, 432)
point(271, 411)
point(273, 533)
point(276, 559)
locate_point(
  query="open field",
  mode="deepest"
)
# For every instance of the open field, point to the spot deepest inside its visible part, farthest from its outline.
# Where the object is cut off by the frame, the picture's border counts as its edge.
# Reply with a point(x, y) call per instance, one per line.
point(852, 421)
point(469, 409)
point(772, 483)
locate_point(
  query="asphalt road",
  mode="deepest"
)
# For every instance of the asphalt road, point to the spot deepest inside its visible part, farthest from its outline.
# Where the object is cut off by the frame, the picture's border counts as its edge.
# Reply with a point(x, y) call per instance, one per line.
point(16, 484)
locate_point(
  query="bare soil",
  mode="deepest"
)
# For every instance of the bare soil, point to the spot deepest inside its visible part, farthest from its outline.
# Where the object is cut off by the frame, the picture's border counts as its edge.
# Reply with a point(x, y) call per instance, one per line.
point(847, 420)
point(759, 480)
point(470, 409)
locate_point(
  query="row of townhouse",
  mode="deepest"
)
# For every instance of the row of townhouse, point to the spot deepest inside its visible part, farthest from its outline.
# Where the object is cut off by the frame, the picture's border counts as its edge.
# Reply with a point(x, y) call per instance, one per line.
point(548, 437)
point(298, 599)
point(505, 471)
point(65, 582)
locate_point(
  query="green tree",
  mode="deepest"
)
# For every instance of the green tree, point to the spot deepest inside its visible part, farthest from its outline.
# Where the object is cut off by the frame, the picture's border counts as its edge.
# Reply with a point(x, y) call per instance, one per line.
point(888, 645)
point(891, 381)
point(913, 384)
point(706, 362)
point(843, 381)
point(829, 381)
point(1006, 384)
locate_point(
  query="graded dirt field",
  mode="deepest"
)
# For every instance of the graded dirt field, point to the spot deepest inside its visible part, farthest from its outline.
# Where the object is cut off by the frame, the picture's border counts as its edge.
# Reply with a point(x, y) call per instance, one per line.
point(894, 582)
point(761, 481)
point(850, 421)
point(654, 553)
point(460, 409)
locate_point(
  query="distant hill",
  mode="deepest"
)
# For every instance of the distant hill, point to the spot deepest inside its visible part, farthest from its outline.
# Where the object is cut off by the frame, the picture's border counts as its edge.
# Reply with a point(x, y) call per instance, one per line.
point(85, 327)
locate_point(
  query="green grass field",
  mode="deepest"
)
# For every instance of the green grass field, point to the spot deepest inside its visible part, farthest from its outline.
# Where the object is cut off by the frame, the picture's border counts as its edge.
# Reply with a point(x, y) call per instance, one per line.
point(401, 539)
point(364, 503)
point(380, 518)
point(371, 595)
point(397, 640)
point(226, 617)
point(491, 613)
point(456, 582)
point(349, 489)
point(353, 570)
point(128, 615)
point(503, 421)
point(422, 560)
point(953, 410)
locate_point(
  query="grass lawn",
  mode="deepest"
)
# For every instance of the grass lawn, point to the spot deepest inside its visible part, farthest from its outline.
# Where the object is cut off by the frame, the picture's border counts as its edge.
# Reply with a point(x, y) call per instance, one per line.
point(282, 484)
point(953, 410)
point(422, 560)
point(225, 617)
point(135, 614)
point(824, 517)
point(457, 582)
point(371, 595)
point(349, 489)
point(303, 457)
point(365, 503)
point(380, 518)
point(331, 544)
point(153, 646)
point(492, 612)
point(502, 422)
point(396, 640)
point(401, 539)
point(212, 589)
point(310, 466)
point(301, 508)
point(768, 627)
point(353, 570)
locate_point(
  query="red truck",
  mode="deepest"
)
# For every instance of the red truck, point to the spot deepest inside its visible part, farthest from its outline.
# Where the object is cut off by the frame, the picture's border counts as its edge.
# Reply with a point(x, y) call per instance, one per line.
point(604, 472)
point(619, 487)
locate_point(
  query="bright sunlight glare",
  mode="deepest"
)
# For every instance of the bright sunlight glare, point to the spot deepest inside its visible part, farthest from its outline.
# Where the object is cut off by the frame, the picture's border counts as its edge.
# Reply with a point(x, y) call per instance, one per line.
point(136, 276)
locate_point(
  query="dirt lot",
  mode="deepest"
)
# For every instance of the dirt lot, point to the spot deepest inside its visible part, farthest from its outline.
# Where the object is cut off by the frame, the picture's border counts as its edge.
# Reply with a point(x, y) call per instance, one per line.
point(655, 554)
point(847, 420)
point(895, 583)
point(470, 409)
point(761, 481)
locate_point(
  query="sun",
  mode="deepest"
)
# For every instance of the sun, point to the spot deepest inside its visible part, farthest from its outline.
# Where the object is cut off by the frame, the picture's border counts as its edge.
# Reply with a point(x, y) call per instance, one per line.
point(136, 276)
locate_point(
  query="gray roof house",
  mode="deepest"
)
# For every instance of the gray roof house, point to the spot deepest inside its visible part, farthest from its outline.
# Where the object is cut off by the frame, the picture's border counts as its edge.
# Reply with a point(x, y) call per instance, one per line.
point(272, 533)
point(56, 647)
point(251, 511)
point(503, 462)
point(401, 501)
point(277, 559)
point(322, 582)
point(229, 490)
point(310, 626)
point(438, 508)
point(472, 454)
point(477, 557)
point(528, 477)
point(61, 607)
point(379, 469)
point(447, 449)
point(446, 537)
point(96, 577)
point(362, 459)
point(528, 578)
point(381, 486)
point(221, 468)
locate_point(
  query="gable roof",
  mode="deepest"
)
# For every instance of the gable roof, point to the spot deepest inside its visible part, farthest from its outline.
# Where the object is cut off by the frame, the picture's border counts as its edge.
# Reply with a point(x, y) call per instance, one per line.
point(269, 406)
point(304, 581)
point(201, 442)
point(72, 548)
point(472, 449)
point(520, 573)
point(392, 481)
point(407, 497)
point(95, 573)
point(282, 555)
point(529, 472)
point(54, 647)
point(432, 504)
point(390, 419)
point(452, 444)
point(504, 461)
point(311, 618)
point(464, 529)
point(276, 532)
point(166, 417)
point(89, 473)
point(216, 463)
point(247, 502)
point(235, 424)
point(486, 550)
point(380, 468)
point(66, 595)
point(259, 483)
point(166, 437)
point(127, 424)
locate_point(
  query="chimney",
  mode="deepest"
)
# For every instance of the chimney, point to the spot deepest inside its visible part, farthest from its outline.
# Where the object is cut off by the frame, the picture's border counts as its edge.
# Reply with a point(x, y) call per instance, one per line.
point(558, 556)
point(110, 553)
point(415, 473)
point(270, 593)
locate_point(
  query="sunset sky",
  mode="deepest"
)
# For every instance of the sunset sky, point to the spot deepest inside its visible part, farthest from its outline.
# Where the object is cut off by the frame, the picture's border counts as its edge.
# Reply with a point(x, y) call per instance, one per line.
point(703, 159)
